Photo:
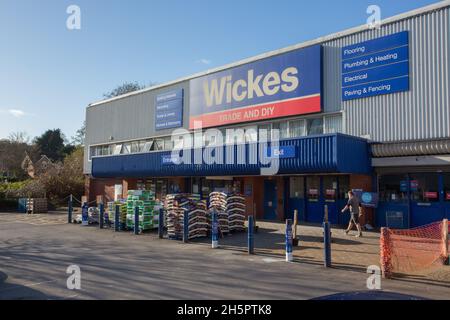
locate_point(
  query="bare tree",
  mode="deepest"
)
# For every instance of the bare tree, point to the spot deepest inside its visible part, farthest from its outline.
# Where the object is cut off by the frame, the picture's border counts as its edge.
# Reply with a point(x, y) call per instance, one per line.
point(19, 137)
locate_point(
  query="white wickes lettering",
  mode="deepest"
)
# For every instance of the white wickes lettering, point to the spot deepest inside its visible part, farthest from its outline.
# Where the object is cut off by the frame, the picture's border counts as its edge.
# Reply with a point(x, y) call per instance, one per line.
point(255, 86)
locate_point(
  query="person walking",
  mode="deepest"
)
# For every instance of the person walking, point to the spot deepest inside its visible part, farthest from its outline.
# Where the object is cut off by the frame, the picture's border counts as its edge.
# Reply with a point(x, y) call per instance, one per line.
point(354, 205)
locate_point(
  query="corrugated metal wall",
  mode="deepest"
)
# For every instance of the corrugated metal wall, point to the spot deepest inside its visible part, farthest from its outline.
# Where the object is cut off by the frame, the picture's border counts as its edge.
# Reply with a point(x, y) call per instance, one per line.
point(335, 153)
point(421, 113)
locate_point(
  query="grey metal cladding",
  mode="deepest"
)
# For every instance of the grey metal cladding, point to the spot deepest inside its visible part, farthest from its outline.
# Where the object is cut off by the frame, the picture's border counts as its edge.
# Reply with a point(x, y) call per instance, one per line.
point(129, 118)
point(421, 113)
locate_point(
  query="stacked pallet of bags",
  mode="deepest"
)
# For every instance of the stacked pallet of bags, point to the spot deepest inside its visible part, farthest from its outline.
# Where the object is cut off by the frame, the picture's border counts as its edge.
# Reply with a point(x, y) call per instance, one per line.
point(176, 206)
point(236, 211)
point(122, 212)
point(173, 213)
point(198, 224)
point(218, 202)
point(145, 201)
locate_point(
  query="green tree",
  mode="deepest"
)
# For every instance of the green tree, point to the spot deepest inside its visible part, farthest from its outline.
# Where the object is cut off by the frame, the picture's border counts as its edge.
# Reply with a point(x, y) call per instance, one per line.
point(51, 143)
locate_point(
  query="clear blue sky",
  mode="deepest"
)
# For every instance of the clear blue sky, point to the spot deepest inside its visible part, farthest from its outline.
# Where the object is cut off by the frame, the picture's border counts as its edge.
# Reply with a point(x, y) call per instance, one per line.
point(49, 74)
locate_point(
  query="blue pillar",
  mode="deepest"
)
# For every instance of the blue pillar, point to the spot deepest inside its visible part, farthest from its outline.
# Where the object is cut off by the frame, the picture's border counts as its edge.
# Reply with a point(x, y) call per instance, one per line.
point(214, 229)
point(116, 218)
point(250, 241)
point(327, 244)
point(136, 220)
point(161, 223)
point(84, 214)
point(186, 227)
point(101, 216)
point(289, 254)
point(70, 210)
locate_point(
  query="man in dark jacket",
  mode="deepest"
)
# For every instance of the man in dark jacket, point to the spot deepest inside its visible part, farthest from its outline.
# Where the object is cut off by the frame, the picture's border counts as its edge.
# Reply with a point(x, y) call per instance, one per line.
point(355, 212)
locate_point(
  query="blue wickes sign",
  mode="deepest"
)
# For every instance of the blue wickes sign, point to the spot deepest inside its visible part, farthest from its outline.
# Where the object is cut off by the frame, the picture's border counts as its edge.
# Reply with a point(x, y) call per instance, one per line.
point(280, 86)
point(169, 110)
point(376, 67)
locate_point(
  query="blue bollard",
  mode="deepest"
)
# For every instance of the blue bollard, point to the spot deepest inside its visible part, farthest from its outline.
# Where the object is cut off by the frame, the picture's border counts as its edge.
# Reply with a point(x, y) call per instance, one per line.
point(84, 214)
point(70, 210)
point(161, 224)
point(101, 216)
point(250, 240)
point(327, 244)
point(289, 237)
point(116, 218)
point(136, 220)
point(185, 227)
point(214, 230)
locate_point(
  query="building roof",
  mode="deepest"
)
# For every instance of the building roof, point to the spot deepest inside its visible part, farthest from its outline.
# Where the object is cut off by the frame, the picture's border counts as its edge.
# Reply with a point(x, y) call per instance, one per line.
point(417, 12)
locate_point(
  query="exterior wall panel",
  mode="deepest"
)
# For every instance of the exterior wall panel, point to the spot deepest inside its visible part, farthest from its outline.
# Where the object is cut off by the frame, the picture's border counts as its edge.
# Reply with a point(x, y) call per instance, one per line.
point(421, 113)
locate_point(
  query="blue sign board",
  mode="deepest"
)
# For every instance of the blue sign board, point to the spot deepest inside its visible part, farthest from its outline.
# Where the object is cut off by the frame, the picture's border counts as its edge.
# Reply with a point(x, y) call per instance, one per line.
point(404, 186)
point(169, 159)
point(283, 85)
point(376, 67)
point(169, 110)
point(368, 199)
point(282, 152)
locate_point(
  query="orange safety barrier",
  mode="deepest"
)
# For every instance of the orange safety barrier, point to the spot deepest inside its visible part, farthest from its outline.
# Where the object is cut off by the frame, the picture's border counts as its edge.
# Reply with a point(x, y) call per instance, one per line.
point(403, 251)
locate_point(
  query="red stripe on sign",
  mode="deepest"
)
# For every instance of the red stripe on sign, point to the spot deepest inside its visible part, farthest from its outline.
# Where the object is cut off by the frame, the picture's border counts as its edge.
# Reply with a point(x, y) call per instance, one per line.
point(260, 112)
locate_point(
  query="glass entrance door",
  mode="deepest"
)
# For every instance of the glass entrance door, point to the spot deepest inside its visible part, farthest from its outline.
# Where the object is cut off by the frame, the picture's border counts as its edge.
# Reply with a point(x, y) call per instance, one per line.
point(426, 206)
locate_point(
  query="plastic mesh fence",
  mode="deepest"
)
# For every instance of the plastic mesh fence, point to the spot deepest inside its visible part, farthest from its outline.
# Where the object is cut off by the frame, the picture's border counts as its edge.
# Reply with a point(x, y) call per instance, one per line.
point(412, 250)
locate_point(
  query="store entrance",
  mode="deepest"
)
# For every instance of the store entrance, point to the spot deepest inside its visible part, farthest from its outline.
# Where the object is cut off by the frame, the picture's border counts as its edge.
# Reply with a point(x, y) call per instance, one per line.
point(426, 206)
point(413, 200)
point(310, 194)
point(270, 200)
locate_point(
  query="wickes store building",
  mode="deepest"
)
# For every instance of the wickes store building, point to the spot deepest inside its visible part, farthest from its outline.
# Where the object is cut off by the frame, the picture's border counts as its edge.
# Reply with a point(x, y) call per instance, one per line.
point(365, 109)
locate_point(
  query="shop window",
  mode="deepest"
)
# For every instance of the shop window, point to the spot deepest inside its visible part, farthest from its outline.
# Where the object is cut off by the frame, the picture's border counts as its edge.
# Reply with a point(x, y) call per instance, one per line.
point(296, 187)
point(213, 137)
point(315, 126)
point(106, 150)
point(393, 188)
point(126, 148)
point(251, 134)
point(158, 145)
point(330, 185)
point(283, 128)
point(447, 187)
point(134, 147)
point(117, 149)
point(235, 136)
point(147, 146)
point(424, 187)
point(264, 130)
point(168, 143)
point(142, 145)
point(297, 128)
point(92, 152)
point(344, 187)
point(313, 188)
